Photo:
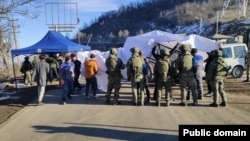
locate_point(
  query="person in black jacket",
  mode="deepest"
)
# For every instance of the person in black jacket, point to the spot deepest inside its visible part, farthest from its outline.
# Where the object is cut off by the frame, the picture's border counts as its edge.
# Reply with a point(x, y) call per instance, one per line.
point(155, 51)
point(157, 56)
point(26, 69)
point(77, 71)
point(208, 61)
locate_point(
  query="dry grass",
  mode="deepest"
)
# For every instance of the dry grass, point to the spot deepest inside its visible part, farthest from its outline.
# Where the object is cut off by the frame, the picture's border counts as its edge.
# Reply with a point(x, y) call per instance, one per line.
point(6, 75)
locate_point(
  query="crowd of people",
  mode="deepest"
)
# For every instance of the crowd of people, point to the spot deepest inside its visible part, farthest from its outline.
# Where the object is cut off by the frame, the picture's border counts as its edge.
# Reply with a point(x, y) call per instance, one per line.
point(65, 69)
point(187, 68)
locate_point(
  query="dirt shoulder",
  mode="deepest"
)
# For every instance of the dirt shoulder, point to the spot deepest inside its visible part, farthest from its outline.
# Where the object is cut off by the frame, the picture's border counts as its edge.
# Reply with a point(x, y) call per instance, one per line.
point(23, 97)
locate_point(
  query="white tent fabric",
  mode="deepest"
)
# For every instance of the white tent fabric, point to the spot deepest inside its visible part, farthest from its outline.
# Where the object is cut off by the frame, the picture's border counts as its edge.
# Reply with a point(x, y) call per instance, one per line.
point(145, 42)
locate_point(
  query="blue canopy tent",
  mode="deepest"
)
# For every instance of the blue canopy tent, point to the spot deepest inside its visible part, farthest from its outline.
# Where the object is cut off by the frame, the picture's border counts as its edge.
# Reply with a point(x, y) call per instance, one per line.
point(52, 42)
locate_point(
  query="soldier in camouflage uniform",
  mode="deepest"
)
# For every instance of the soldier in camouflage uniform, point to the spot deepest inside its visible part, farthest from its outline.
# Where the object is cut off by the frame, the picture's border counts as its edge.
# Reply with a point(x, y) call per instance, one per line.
point(161, 71)
point(114, 66)
point(217, 72)
point(184, 65)
point(35, 60)
point(135, 75)
point(53, 68)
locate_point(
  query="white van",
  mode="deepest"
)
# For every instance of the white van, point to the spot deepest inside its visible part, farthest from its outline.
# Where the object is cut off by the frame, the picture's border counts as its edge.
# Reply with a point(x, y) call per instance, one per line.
point(235, 55)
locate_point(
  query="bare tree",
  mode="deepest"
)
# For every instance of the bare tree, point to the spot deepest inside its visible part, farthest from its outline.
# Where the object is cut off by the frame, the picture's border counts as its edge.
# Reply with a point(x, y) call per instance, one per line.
point(187, 12)
point(5, 47)
point(10, 9)
point(20, 7)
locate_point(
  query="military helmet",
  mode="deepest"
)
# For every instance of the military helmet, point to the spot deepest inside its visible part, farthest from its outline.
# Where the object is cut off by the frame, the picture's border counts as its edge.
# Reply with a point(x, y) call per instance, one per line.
point(218, 53)
point(135, 50)
point(164, 52)
point(113, 51)
point(186, 47)
point(27, 58)
point(194, 50)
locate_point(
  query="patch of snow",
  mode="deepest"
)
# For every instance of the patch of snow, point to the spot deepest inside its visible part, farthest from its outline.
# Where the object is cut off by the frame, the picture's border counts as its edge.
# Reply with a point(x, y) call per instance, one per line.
point(10, 93)
point(8, 97)
point(246, 22)
point(20, 85)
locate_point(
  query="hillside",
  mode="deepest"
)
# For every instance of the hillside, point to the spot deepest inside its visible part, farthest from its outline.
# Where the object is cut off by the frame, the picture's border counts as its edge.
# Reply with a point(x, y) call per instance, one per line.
point(176, 16)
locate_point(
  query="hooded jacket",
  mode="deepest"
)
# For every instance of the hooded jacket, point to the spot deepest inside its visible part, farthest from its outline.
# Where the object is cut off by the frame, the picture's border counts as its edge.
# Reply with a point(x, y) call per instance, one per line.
point(91, 68)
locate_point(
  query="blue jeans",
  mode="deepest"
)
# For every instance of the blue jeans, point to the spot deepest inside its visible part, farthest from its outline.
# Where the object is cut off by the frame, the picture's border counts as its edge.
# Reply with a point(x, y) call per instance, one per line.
point(67, 87)
point(93, 83)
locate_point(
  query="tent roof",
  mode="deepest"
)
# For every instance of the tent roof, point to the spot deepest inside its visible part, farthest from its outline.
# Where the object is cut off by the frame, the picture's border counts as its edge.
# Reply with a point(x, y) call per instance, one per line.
point(51, 42)
point(146, 42)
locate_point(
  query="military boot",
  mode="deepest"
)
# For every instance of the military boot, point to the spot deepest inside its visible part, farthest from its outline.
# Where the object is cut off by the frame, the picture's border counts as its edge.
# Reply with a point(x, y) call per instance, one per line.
point(200, 94)
point(247, 80)
point(214, 105)
point(188, 95)
point(158, 104)
point(199, 97)
point(183, 104)
point(135, 103)
point(167, 103)
point(142, 103)
point(107, 99)
point(116, 98)
point(223, 104)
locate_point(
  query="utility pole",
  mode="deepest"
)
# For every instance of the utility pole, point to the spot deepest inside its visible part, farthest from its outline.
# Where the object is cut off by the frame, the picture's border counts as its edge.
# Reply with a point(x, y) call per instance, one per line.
point(15, 38)
point(200, 28)
point(217, 21)
point(245, 4)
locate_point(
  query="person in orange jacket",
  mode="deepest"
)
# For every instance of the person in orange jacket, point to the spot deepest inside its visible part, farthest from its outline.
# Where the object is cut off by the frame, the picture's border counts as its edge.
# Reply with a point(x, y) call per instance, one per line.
point(91, 69)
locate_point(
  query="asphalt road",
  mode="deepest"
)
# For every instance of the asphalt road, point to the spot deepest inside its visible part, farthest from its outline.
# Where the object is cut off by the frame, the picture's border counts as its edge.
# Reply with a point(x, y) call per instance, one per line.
point(93, 120)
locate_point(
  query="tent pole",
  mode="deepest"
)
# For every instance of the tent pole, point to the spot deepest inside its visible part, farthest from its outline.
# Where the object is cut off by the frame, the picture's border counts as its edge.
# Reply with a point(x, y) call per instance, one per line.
point(14, 71)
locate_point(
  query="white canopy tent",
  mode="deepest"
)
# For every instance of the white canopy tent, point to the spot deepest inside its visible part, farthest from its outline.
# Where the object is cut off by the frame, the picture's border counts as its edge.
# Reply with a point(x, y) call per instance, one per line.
point(146, 42)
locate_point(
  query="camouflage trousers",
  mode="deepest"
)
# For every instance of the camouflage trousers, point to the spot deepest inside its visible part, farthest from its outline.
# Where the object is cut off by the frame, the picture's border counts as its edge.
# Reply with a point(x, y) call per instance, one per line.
point(218, 88)
point(167, 86)
point(138, 86)
point(188, 82)
point(113, 83)
point(198, 84)
point(27, 77)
